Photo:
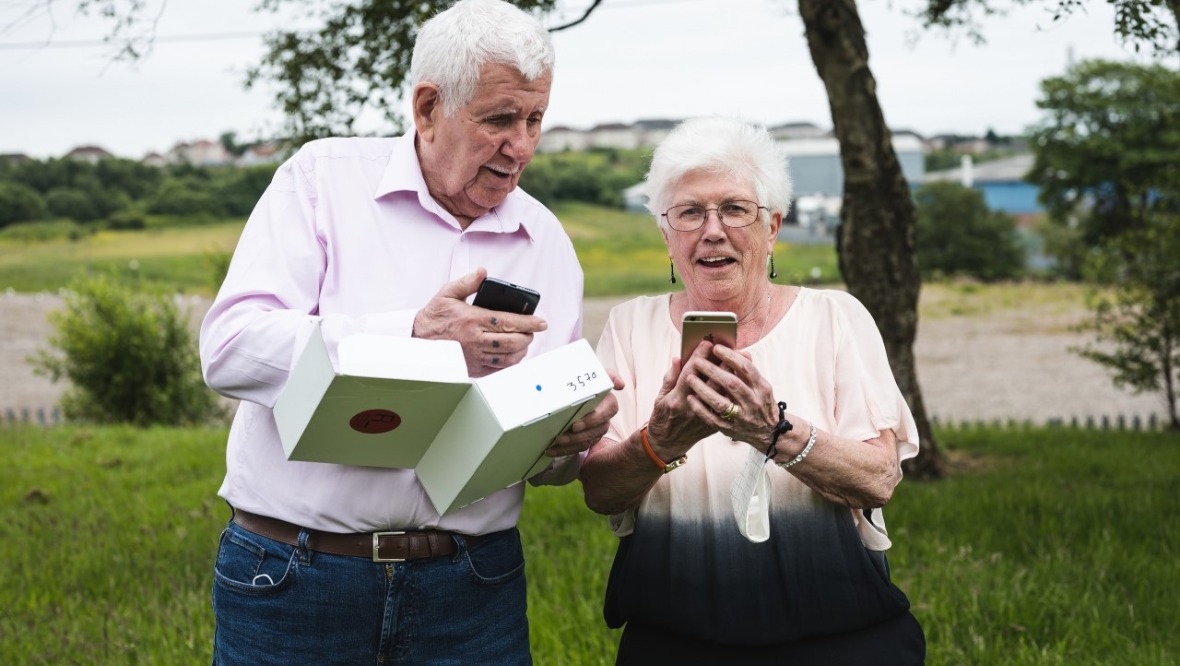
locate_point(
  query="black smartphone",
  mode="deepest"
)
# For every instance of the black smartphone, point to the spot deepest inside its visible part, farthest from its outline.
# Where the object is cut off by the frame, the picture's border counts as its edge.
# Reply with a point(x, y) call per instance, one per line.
point(716, 327)
point(504, 296)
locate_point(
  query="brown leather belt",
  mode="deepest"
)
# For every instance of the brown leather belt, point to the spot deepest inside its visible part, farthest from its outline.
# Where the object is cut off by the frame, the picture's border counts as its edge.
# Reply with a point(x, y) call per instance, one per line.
point(380, 546)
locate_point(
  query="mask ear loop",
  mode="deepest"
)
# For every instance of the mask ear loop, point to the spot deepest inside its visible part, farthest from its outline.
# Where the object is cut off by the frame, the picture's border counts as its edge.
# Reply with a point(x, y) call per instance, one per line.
point(783, 426)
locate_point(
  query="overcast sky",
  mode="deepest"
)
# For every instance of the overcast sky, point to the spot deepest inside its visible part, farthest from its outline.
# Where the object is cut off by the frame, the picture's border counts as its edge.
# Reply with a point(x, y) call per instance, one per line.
point(631, 60)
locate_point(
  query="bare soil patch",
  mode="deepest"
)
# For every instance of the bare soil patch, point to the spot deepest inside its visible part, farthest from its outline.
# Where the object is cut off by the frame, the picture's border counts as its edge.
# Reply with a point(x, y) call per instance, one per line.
point(1010, 364)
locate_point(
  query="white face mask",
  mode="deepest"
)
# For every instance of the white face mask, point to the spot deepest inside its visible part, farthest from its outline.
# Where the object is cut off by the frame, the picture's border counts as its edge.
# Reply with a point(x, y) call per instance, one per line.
point(750, 494)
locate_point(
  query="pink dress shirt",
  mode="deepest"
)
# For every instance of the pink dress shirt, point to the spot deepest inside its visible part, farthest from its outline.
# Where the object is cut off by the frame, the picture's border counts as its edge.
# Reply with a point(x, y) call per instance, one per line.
point(348, 237)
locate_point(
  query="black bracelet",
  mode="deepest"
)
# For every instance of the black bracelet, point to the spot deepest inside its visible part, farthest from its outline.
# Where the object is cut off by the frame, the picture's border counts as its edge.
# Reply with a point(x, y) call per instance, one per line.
point(783, 426)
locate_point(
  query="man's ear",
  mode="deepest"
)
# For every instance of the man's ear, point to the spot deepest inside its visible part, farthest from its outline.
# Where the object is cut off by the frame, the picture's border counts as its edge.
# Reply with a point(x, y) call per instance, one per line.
point(427, 106)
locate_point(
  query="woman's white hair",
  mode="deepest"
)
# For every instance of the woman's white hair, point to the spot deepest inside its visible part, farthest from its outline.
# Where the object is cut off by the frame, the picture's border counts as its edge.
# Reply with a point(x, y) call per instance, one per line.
point(722, 146)
point(453, 46)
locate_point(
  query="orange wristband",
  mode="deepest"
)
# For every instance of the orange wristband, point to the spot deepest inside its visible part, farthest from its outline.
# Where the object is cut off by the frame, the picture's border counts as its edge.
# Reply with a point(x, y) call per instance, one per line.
point(664, 467)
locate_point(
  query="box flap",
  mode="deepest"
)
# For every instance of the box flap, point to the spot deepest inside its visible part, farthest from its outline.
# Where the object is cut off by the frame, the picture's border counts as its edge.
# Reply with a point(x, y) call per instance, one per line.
point(544, 384)
point(498, 435)
point(392, 357)
point(369, 416)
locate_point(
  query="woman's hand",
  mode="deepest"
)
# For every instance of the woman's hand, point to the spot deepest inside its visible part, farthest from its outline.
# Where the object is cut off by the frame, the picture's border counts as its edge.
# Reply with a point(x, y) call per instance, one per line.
point(674, 427)
point(617, 474)
point(735, 388)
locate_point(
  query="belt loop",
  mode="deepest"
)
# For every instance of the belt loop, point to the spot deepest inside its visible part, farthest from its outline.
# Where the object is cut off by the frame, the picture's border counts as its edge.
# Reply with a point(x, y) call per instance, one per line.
point(460, 546)
point(301, 549)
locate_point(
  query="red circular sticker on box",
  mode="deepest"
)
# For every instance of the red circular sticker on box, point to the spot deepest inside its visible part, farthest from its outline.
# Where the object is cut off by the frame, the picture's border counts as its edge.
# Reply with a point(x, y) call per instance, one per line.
point(375, 421)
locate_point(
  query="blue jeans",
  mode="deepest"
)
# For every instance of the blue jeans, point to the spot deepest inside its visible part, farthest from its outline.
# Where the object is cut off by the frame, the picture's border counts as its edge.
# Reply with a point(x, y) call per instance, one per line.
point(280, 604)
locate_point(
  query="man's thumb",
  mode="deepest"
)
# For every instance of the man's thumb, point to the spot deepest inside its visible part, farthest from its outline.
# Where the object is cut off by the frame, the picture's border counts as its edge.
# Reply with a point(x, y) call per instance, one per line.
point(462, 287)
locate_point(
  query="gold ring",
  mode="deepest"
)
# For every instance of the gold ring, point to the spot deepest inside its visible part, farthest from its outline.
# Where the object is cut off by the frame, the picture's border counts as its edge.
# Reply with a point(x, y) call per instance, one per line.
point(730, 412)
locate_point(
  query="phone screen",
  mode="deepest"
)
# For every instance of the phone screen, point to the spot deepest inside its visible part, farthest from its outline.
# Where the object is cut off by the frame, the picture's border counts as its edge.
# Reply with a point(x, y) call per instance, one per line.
point(716, 327)
point(504, 296)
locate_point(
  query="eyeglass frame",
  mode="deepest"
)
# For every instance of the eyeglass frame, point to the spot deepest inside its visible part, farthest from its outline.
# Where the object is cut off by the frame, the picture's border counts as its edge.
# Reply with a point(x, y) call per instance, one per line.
point(716, 209)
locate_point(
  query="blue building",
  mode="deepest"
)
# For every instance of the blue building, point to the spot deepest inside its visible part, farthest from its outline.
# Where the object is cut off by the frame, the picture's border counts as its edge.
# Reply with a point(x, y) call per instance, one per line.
point(1001, 182)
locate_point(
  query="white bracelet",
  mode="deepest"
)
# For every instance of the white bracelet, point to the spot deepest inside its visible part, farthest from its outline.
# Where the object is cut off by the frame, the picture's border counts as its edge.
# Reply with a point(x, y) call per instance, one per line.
point(802, 454)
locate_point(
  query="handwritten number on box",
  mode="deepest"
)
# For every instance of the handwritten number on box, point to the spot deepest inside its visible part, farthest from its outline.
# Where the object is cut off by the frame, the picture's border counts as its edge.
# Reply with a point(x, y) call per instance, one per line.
point(580, 381)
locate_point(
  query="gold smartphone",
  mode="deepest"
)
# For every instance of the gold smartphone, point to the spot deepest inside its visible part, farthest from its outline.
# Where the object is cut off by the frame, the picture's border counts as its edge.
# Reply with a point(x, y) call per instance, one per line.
point(716, 327)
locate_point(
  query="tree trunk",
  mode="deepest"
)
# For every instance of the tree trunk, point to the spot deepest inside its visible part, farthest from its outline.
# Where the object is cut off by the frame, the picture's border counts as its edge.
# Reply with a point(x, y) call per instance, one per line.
point(875, 239)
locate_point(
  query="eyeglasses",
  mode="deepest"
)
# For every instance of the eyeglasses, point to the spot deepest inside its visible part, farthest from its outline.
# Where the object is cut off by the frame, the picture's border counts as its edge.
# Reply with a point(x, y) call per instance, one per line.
point(734, 214)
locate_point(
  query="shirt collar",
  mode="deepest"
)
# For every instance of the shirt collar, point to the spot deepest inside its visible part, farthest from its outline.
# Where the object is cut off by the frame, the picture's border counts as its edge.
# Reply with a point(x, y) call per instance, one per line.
point(403, 173)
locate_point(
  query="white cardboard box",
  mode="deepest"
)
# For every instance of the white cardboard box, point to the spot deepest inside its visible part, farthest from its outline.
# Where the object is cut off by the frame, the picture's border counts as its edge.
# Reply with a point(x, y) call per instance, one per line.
point(405, 402)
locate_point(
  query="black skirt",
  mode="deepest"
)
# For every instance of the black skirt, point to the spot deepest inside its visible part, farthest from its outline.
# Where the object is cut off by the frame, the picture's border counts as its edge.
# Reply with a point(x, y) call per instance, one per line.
point(898, 641)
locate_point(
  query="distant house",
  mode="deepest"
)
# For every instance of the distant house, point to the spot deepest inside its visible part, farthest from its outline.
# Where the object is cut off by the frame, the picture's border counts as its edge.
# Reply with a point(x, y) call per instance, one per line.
point(623, 136)
point(652, 131)
point(792, 131)
point(202, 152)
point(91, 154)
point(1001, 182)
point(266, 152)
point(614, 135)
point(155, 160)
point(14, 158)
point(559, 139)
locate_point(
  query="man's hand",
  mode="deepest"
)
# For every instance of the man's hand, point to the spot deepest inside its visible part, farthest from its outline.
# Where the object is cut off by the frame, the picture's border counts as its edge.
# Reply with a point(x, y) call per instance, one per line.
point(491, 340)
point(584, 432)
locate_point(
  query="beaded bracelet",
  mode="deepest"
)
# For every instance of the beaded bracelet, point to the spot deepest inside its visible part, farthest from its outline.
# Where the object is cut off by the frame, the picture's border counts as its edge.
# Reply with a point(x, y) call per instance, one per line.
point(802, 454)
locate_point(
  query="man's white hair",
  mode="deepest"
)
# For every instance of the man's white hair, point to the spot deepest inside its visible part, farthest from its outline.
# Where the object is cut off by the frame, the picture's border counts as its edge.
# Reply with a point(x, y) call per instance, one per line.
point(453, 46)
point(722, 146)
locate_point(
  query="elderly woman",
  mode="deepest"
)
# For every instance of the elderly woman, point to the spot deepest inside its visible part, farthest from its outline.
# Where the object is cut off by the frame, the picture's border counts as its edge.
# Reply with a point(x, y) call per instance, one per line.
point(804, 407)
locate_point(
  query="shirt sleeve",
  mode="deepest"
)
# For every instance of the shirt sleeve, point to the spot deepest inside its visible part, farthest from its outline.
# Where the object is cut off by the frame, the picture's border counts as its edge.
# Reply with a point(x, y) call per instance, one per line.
point(868, 401)
point(868, 398)
point(268, 304)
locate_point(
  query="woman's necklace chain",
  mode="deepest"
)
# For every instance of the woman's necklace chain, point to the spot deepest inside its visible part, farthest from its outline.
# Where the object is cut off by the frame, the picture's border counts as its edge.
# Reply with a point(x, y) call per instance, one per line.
point(762, 331)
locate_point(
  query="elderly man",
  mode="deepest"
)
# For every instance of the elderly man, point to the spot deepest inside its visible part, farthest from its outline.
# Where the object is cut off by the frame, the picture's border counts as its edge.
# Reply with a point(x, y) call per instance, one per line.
point(391, 236)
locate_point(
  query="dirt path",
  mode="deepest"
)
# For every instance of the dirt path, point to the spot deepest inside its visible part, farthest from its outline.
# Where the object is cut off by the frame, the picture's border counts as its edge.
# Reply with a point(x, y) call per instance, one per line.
point(1014, 364)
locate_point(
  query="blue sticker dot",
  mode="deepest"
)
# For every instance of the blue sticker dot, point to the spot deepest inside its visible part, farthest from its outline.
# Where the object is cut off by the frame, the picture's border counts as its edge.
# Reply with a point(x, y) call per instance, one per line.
point(538, 387)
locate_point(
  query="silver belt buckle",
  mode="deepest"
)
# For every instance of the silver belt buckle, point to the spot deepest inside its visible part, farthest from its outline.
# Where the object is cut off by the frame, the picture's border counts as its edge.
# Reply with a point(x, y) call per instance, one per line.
point(376, 547)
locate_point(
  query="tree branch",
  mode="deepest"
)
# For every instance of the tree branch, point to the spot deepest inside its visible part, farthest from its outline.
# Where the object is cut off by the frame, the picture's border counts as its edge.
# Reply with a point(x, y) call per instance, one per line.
point(585, 16)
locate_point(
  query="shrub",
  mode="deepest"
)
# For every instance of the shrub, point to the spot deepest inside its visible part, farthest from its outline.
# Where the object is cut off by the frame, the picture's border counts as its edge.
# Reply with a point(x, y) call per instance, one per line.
point(127, 219)
point(959, 235)
point(128, 354)
point(1137, 320)
point(188, 196)
point(20, 203)
point(73, 204)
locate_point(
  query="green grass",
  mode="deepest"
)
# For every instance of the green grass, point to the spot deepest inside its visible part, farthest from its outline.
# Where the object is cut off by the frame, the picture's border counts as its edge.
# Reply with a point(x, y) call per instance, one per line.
point(1046, 546)
point(1053, 548)
point(621, 254)
point(176, 256)
point(955, 298)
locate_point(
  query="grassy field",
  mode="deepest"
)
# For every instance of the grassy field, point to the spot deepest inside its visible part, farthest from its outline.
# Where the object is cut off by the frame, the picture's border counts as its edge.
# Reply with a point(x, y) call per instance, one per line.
point(175, 256)
point(1047, 546)
point(621, 253)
